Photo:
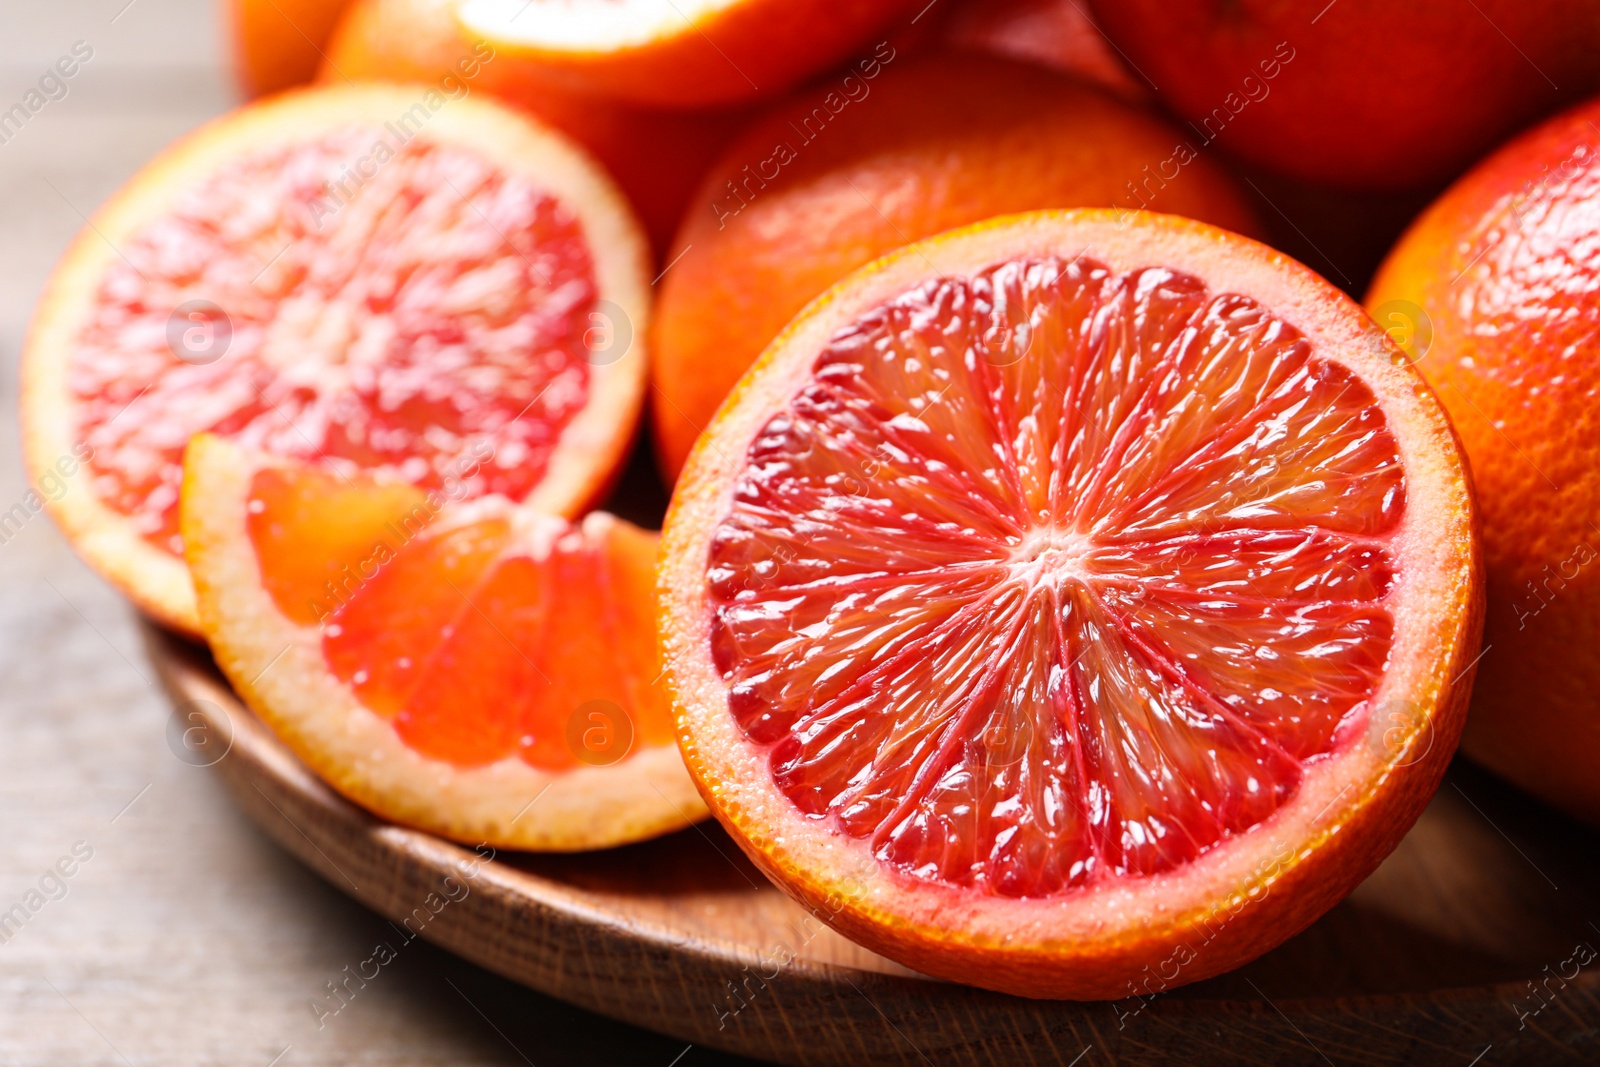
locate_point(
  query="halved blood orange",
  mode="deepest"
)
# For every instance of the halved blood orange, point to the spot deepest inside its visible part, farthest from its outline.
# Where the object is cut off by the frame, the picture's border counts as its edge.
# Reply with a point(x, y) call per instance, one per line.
point(379, 277)
point(1073, 606)
point(679, 53)
point(475, 668)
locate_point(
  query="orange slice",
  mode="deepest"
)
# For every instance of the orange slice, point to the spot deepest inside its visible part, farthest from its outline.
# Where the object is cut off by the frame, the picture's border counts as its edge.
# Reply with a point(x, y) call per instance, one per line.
point(1071, 595)
point(680, 53)
point(476, 669)
point(377, 277)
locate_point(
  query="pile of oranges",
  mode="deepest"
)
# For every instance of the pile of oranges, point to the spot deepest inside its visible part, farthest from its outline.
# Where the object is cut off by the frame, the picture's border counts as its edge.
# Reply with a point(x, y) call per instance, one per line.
point(1060, 580)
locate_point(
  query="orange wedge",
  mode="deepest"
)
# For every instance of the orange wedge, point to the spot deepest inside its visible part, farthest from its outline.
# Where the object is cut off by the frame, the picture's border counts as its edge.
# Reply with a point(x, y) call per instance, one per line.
point(477, 669)
point(1073, 602)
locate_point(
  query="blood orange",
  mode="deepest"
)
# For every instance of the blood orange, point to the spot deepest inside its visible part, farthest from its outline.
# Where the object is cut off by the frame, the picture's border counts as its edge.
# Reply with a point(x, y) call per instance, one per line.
point(825, 184)
point(1102, 600)
point(377, 277)
point(1495, 289)
point(1311, 89)
point(476, 669)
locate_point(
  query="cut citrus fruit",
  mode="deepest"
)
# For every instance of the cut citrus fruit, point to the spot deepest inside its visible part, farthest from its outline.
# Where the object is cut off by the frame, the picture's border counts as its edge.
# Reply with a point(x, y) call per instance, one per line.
point(932, 144)
point(1072, 595)
point(476, 668)
point(679, 53)
point(378, 277)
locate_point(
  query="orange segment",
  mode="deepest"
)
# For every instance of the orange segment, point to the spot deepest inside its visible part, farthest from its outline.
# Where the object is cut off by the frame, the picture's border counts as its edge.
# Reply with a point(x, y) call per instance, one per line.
point(635, 645)
point(383, 636)
point(617, 648)
point(353, 523)
point(360, 277)
point(476, 657)
point(1327, 644)
point(472, 694)
point(1035, 603)
point(450, 633)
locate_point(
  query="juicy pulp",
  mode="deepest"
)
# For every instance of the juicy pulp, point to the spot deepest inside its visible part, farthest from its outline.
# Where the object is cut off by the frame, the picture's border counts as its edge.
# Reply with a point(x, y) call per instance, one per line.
point(1053, 575)
point(412, 309)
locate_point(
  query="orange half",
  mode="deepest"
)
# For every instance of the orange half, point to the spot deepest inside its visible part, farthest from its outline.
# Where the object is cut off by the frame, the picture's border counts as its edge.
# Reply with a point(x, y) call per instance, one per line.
point(1073, 602)
point(379, 277)
point(472, 668)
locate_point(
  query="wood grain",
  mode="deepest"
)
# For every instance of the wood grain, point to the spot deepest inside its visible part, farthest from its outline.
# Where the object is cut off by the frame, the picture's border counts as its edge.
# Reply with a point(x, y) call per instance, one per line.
point(1435, 959)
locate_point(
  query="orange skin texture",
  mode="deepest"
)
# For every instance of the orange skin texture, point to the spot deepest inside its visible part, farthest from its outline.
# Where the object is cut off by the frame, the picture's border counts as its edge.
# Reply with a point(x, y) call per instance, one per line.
point(751, 49)
point(656, 156)
point(935, 145)
point(1504, 266)
point(1059, 34)
point(1378, 94)
point(279, 43)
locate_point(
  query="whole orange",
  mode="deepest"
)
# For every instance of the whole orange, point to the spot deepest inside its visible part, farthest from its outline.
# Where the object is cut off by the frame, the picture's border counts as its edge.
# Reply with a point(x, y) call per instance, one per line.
point(657, 156)
point(1495, 291)
point(877, 158)
point(1364, 93)
point(279, 43)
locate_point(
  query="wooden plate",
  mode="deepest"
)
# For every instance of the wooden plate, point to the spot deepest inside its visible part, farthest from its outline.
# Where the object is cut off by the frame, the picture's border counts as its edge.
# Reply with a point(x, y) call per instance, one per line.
point(1475, 943)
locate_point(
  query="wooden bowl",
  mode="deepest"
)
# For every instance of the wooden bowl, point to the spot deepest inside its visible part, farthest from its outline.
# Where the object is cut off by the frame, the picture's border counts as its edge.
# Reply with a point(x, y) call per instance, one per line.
point(1474, 944)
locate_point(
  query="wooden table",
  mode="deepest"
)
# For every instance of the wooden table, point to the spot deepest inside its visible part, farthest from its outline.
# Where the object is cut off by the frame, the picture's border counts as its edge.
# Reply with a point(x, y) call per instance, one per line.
point(186, 937)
